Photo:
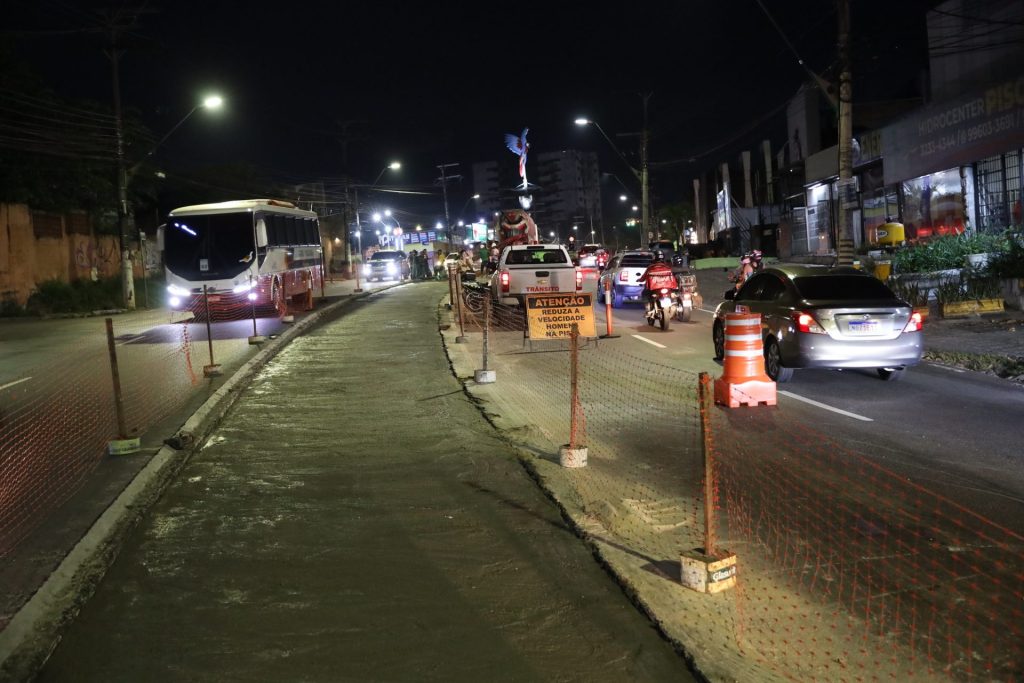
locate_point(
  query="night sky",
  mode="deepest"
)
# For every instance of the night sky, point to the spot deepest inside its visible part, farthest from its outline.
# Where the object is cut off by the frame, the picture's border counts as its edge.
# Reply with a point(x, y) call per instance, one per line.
point(431, 83)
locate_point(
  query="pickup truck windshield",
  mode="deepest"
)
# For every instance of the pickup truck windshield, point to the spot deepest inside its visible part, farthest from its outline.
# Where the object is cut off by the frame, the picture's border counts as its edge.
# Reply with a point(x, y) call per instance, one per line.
point(525, 257)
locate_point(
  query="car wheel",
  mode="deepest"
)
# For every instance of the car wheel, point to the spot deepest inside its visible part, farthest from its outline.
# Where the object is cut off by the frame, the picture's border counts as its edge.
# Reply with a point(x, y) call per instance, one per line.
point(718, 339)
point(773, 363)
point(616, 300)
point(891, 374)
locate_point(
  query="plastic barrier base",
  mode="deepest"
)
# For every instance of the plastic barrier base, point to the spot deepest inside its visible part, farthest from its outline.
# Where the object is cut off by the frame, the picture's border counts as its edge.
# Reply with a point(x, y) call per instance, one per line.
point(752, 393)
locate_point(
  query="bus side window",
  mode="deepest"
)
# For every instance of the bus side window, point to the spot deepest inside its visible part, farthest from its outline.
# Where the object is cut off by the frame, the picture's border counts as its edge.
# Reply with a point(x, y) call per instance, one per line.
point(309, 228)
point(275, 230)
point(291, 231)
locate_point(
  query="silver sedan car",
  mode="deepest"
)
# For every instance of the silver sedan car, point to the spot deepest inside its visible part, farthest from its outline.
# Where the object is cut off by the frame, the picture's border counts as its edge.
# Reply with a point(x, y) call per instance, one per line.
point(825, 317)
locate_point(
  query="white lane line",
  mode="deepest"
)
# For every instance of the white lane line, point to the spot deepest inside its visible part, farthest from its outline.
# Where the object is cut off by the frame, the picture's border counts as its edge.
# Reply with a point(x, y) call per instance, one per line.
point(827, 407)
point(17, 381)
point(652, 343)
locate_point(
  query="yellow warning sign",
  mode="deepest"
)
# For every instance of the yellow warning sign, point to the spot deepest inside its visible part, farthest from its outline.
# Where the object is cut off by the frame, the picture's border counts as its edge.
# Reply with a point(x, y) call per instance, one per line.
point(551, 316)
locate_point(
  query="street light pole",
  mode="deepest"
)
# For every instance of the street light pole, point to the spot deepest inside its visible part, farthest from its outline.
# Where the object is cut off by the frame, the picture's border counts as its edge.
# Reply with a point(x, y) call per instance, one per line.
point(444, 192)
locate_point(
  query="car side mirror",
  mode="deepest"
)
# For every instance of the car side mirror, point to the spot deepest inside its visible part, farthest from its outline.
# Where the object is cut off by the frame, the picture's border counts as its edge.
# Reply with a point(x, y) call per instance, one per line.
point(730, 295)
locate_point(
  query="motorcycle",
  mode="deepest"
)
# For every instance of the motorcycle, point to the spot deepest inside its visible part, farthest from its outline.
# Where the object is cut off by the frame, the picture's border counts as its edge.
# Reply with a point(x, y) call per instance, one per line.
point(687, 296)
point(661, 306)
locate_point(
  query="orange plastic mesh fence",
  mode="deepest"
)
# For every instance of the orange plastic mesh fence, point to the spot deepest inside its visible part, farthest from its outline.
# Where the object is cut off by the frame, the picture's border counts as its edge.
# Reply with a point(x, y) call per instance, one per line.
point(57, 419)
point(856, 567)
point(847, 570)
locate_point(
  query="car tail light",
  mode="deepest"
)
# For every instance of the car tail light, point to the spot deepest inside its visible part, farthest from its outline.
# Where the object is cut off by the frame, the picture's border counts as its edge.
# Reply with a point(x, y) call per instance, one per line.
point(805, 322)
point(505, 284)
point(914, 324)
point(579, 279)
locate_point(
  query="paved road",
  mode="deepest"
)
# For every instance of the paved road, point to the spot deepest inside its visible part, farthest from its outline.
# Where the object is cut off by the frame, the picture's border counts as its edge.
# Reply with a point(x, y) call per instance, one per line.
point(955, 432)
point(355, 519)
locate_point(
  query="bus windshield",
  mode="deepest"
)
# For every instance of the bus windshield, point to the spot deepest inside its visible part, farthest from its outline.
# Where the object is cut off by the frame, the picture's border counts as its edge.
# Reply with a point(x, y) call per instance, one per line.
point(209, 247)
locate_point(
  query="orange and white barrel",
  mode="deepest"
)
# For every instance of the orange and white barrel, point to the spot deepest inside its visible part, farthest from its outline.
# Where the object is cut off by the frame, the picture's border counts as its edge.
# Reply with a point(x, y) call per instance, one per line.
point(744, 381)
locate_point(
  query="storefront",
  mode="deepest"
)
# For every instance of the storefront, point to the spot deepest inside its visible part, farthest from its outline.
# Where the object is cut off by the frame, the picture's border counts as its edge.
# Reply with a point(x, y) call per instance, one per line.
point(958, 164)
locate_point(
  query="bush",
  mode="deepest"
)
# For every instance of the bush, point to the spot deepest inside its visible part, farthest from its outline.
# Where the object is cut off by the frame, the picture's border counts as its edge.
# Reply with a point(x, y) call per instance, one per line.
point(1009, 262)
point(79, 296)
point(947, 252)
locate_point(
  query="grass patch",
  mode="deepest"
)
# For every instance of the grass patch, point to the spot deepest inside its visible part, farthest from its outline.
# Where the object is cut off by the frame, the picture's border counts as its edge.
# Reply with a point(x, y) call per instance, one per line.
point(1001, 366)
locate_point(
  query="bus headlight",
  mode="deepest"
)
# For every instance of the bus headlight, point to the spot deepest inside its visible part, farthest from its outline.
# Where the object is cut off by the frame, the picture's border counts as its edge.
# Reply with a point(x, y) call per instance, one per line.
point(175, 290)
point(174, 302)
point(252, 296)
point(245, 287)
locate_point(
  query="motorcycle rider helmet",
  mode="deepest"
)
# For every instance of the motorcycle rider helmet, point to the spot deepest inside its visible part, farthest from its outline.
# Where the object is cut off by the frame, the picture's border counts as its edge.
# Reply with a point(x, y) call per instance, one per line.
point(659, 256)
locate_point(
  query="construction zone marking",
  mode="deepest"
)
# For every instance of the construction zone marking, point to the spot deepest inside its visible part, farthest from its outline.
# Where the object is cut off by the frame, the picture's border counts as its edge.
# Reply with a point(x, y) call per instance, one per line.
point(826, 406)
point(652, 343)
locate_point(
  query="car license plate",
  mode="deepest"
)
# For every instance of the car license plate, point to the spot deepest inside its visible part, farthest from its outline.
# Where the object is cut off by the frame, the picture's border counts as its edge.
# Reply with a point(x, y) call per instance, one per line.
point(862, 326)
point(542, 281)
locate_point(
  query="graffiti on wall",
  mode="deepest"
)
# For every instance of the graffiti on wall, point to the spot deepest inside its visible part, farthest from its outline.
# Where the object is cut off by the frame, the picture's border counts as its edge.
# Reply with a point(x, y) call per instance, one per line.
point(91, 255)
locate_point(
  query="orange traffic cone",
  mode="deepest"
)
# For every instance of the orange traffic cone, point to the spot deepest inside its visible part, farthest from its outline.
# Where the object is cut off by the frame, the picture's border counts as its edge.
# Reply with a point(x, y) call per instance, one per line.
point(744, 381)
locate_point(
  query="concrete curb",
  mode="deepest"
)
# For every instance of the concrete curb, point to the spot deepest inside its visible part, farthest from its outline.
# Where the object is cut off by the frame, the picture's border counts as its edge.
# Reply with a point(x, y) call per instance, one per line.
point(34, 631)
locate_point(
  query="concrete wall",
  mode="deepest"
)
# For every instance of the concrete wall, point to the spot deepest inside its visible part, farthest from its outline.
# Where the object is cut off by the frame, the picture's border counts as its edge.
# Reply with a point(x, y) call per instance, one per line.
point(37, 246)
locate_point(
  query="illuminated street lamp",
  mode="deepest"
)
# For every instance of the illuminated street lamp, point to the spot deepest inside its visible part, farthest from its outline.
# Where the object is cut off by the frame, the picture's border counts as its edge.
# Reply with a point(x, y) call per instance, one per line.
point(641, 173)
point(393, 166)
point(124, 177)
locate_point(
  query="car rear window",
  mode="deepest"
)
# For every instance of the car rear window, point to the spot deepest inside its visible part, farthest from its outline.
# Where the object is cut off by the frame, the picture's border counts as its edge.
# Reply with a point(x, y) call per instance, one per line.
point(838, 287)
point(636, 261)
point(521, 257)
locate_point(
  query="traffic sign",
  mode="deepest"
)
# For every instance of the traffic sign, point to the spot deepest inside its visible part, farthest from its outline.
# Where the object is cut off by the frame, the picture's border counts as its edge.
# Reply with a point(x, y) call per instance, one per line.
point(551, 316)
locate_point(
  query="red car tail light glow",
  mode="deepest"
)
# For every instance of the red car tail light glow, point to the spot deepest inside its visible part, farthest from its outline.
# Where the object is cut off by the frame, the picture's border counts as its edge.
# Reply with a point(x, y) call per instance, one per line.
point(915, 323)
point(806, 323)
point(579, 279)
point(505, 284)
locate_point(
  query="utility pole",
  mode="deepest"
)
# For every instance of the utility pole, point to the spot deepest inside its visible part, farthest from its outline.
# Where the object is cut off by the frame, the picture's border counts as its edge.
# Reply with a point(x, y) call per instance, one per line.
point(127, 276)
point(645, 204)
point(844, 241)
point(444, 191)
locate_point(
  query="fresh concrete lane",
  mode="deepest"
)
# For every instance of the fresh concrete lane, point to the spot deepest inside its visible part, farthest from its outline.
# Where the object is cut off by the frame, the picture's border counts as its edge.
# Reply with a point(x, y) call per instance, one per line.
point(354, 518)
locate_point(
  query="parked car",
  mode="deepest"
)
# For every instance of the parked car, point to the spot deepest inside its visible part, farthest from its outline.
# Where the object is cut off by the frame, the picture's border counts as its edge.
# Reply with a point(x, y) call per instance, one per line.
point(623, 272)
point(825, 317)
point(386, 265)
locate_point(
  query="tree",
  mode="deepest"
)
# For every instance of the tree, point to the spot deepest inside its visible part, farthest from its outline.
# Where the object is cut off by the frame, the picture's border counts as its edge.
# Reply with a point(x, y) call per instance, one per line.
point(678, 217)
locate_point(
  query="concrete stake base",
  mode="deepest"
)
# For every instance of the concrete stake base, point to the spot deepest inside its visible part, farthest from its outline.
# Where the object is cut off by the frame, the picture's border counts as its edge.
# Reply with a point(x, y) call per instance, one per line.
point(212, 370)
point(572, 457)
point(484, 376)
point(257, 339)
point(462, 340)
point(124, 446)
point(706, 574)
point(288, 319)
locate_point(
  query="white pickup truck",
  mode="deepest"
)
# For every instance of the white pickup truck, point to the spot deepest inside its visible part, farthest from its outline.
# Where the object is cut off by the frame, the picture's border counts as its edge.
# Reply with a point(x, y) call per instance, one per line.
point(534, 269)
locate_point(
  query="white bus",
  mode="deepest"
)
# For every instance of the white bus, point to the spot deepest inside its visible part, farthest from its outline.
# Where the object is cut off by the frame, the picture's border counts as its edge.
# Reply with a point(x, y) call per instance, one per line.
point(254, 252)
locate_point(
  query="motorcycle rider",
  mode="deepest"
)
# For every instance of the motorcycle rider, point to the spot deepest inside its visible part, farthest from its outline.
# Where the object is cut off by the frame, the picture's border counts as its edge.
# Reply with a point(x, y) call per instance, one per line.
point(657, 276)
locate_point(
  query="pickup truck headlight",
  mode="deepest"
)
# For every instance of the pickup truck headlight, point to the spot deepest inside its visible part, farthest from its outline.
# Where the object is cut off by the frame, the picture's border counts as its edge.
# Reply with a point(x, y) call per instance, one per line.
point(392, 268)
point(367, 268)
